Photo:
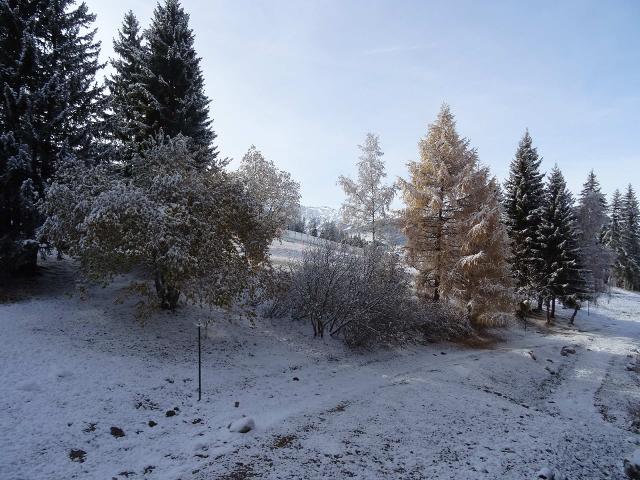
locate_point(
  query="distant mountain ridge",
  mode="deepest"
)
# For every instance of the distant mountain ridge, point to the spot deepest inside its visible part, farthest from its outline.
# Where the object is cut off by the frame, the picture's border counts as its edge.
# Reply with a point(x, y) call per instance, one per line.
point(323, 214)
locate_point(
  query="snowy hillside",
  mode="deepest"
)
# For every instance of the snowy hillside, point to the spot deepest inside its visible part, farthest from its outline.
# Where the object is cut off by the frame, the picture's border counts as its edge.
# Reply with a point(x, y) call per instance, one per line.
point(89, 393)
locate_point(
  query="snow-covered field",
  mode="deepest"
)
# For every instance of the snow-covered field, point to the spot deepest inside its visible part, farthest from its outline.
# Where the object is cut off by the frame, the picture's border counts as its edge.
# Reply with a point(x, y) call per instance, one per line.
point(72, 366)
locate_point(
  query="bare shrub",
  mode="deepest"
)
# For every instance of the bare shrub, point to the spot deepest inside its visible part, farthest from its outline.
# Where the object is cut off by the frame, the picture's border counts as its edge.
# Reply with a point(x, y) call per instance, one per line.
point(366, 297)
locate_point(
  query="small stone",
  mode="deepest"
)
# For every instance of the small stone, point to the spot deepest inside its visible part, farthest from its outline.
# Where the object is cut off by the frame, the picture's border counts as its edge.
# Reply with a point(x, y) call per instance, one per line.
point(90, 428)
point(296, 379)
point(236, 404)
point(170, 413)
point(77, 455)
point(545, 473)
point(632, 465)
point(117, 432)
point(152, 423)
point(564, 351)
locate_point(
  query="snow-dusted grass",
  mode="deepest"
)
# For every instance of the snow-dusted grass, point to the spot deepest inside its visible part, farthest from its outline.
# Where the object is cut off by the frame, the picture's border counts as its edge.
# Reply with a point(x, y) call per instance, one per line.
point(73, 366)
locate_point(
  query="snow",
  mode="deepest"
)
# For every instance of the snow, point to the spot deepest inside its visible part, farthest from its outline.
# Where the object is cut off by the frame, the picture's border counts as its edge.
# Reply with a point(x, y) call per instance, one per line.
point(323, 214)
point(242, 425)
point(73, 365)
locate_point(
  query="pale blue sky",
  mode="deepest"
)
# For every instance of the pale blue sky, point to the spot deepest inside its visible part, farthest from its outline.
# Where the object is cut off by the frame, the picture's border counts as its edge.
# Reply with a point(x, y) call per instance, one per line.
point(305, 80)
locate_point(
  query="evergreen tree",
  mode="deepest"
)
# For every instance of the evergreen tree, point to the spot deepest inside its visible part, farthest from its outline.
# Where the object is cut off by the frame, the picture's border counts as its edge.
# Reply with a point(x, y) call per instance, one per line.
point(630, 240)
point(330, 231)
point(455, 238)
point(69, 107)
point(126, 92)
point(592, 218)
point(524, 194)
point(613, 237)
point(297, 224)
point(18, 28)
point(173, 81)
point(560, 254)
point(313, 227)
point(49, 110)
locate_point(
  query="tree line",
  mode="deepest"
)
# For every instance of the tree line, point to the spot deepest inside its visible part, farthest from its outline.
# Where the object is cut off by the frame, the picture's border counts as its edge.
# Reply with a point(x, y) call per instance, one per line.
point(126, 174)
point(489, 248)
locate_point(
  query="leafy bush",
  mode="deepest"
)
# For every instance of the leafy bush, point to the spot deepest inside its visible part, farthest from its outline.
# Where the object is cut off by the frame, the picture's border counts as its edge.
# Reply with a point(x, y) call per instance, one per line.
point(195, 231)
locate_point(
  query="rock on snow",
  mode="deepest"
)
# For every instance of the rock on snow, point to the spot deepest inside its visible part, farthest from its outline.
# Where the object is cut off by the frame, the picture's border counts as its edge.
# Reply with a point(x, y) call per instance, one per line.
point(632, 465)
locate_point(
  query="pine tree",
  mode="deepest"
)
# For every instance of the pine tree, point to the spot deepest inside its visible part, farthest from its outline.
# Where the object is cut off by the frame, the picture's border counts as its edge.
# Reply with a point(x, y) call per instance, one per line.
point(18, 24)
point(560, 254)
point(69, 108)
point(452, 222)
point(313, 227)
point(630, 240)
point(173, 80)
point(592, 221)
point(524, 193)
point(126, 91)
point(49, 112)
point(613, 238)
point(368, 200)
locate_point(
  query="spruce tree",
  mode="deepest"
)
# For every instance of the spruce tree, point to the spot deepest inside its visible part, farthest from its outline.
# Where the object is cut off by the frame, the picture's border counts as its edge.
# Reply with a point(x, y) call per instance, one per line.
point(173, 81)
point(560, 254)
point(630, 240)
point(591, 215)
point(613, 237)
point(126, 91)
point(18, 29)
point(69, 109)
point(523, 200)
point(49, 110)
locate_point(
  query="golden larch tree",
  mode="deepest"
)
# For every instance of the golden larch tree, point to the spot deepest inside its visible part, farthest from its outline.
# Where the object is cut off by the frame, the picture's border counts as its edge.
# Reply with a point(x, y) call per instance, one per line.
point(455, 238)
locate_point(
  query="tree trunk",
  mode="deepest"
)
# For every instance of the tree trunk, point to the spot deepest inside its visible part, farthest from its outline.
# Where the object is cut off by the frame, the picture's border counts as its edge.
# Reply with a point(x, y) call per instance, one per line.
point(573, 316)
point(539, 303)
point(548, 317)
point(168, 294)
point(436, 291)
point(553, 307)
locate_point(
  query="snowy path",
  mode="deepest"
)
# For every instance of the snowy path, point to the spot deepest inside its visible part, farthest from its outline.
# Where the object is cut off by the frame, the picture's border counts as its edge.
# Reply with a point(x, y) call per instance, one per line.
point(71, 369)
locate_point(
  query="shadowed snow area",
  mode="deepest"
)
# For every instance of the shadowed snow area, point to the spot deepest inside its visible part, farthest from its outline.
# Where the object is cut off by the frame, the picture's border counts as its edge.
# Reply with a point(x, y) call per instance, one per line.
point(75, 366)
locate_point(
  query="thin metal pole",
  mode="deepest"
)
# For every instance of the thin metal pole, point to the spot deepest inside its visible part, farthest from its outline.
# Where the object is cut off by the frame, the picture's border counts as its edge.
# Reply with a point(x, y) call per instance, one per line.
point(199, 367)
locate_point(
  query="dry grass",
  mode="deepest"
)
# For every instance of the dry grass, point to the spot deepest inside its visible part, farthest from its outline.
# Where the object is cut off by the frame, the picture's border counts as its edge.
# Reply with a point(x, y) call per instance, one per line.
point(338, 408)
point(633, 409)
point(283, 441)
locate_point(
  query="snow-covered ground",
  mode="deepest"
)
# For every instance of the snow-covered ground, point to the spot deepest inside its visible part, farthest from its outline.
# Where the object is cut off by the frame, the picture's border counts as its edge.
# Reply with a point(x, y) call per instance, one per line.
point(72, 366)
